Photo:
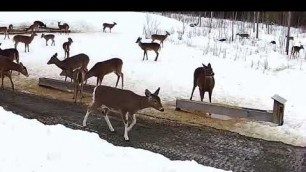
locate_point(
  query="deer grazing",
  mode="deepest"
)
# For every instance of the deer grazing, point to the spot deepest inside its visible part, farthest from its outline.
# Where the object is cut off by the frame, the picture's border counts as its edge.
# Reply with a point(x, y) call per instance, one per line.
point(296, 50)
point(5, 31)
point(126, 102)
point(11, 53)
point(40, 24)
point(148, 47)
point(103, 68)
point(48, 37)
point(70, 64)
point(108, 25)
point(33, 27)
point(6, 66)
point(63, 27)
point(66, 47)
point(24, 39)
point(161, 38)
point(243, 35)
point(203, 77)
point(78, 77)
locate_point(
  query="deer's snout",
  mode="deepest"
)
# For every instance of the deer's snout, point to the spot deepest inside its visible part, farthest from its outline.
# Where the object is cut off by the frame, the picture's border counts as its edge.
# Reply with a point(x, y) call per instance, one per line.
point(161, 109)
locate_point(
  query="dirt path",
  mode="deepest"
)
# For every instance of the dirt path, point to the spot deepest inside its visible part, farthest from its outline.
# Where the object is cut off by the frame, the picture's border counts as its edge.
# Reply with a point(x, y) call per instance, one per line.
point(175, 140)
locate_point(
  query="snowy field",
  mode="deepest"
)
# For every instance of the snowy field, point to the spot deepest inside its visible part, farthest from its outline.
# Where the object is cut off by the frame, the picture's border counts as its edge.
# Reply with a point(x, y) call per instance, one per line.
point(30, 146)
point(247, 72)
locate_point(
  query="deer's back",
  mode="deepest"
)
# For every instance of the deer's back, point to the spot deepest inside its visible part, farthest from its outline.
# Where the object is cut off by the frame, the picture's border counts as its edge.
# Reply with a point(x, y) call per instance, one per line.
point(10, 52)
point(21, 38)
point(150, 46)
point(117, 98)
point(105, 67)
point(3, 29)
point(158, 37)
point(79, 60)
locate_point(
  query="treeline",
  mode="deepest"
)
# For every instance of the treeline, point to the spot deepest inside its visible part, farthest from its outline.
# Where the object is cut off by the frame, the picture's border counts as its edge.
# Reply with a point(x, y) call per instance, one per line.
point(298, 18)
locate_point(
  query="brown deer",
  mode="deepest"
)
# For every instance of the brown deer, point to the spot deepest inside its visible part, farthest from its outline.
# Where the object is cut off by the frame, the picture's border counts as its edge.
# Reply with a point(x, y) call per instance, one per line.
point(33, 27)
point(24, 39)
point(103, 68)
point(6, 66)
point(70, 64)
point(108, 25)
point(161, 38)
point(126, 102)
point(5, 31)
point(203, 77)
point(148, 47)
point(48, 37)
point(66, 47)
point(64, 27)
point(78, 77)
point(296, 50)
point(40, 24)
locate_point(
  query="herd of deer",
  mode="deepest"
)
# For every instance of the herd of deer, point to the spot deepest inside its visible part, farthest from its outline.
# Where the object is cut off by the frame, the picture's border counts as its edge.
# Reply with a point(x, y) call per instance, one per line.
point(125, 102)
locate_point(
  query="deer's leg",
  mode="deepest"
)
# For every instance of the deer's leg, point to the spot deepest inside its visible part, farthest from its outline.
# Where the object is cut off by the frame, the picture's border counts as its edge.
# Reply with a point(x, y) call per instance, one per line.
point(106, 110)
point(75, 94)
point(100, 80)
point(97, 81)
point(210, 93)
point(144, 53)
point(53, 42)
point(201, 94)
point(25, 48)
point(122, 79)
point(118, 77)
point(16, 43)
point(194, 86)
point(125, 117)
point(46, 42)
point(156, 55)
point(91, 108)
point(12, 84)
point(133, 123)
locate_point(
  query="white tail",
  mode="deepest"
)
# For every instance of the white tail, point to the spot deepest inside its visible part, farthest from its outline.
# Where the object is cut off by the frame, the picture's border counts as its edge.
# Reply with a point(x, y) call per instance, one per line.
point(24, 39)
point(103, 68)
point(126, 102)
point(148, 47)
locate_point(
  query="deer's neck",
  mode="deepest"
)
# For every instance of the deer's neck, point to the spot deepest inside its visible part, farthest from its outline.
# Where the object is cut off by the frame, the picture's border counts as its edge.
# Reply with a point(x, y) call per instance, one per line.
point(140, 44)
point(144, 102)
point(60, 64)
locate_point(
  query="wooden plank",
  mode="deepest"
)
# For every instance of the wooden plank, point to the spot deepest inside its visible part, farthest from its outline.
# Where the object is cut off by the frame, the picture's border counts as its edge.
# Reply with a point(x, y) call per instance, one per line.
point(220, 109)
point(62, 85)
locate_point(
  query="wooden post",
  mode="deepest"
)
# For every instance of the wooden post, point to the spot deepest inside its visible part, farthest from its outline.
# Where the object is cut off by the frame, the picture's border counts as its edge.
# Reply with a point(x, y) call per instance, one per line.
point(278, 109)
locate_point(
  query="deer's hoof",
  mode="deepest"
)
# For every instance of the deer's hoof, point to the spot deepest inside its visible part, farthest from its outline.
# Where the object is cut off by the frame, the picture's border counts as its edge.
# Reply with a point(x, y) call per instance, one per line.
point(114, 131)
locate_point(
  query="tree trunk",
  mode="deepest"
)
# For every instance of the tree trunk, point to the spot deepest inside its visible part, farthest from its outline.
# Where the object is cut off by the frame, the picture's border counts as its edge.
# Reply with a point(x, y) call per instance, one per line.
point(257, 24)
point(233, 20)
point(288, 33)
point(210, 23)
point(254, 21)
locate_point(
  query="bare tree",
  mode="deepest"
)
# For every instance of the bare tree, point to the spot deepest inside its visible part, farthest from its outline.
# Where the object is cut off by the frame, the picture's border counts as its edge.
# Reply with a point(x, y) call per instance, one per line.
point(288, 33)
point(210, 23)
point(233, 20)
point(254, 21)
point(257, 20)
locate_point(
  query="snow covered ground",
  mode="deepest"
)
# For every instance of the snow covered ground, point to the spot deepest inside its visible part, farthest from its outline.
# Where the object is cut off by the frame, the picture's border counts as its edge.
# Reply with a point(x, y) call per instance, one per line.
point(247, 72)
point(30, 146)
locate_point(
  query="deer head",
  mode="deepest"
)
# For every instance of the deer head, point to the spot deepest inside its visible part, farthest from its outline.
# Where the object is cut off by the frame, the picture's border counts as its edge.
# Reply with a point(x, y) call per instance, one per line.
point(301, 46)
point(42, 35)
point(115, 23)
point(138, 40)
point(53, 59)
point(154, 100)
point(70, 40)
point(208, 69)
point(24, 70)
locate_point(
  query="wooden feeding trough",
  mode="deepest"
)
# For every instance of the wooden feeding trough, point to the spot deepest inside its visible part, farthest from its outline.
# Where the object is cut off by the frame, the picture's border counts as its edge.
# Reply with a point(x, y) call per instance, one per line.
point(276, 116)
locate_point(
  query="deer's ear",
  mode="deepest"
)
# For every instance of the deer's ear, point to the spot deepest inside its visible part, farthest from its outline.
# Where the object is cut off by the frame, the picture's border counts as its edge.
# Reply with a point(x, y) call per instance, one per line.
point(148, 93)
point(204, 65)
point(209, 65)
point(157, 91)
